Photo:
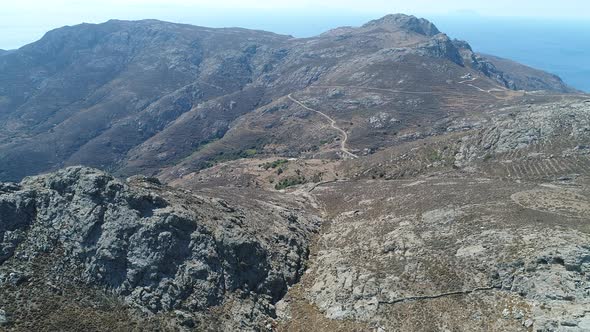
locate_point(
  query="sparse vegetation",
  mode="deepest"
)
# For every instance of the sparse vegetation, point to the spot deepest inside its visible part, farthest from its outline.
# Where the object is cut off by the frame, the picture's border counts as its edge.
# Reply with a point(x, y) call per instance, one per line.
point(290, 181)
point(465, 198)
point(434, 156)
point(317, 177)
point(274, 164)
point(248, 153)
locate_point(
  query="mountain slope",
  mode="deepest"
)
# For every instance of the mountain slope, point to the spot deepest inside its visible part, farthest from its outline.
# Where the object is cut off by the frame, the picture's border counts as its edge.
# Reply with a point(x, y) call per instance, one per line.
point(379, 178)
point(156, 250)
point(78, 83)
point(481, 225)
point(140, 96)
point(527, 78)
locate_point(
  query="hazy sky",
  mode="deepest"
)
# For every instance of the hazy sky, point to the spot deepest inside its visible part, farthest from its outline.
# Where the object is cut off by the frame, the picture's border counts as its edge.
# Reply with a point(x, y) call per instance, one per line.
point(24, 21)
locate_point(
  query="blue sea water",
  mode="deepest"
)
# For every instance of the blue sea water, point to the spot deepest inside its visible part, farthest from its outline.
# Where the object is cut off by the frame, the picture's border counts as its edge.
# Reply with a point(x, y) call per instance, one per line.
point(558, 47)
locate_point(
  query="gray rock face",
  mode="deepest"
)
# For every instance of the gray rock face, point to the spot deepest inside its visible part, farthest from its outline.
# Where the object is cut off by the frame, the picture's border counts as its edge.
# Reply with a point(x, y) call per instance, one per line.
point(405, 22)
point(521, 77)
point(508, 73)
point(3, 319)
point(156, 248)
point(520, 128)
point(442, 47)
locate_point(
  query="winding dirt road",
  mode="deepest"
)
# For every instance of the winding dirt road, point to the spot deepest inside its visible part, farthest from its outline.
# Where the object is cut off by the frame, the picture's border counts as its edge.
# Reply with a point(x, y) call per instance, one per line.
point(333, 124)
point(376, 89)
point(471, 85)
point(499, 89)
point(343, 148)
point(447, 93)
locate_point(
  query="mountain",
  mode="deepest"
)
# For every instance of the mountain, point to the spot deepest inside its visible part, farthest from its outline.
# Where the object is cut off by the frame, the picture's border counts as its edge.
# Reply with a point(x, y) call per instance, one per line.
point(373, 178)
point(156, 248)
point(482, 226)
point(518, 75)
point(92, 92)
point(136, 97)
point(478, 223)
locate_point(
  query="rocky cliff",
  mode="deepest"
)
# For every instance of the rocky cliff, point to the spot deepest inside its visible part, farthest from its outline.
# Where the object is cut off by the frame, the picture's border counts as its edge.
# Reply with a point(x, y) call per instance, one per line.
point(149, 249)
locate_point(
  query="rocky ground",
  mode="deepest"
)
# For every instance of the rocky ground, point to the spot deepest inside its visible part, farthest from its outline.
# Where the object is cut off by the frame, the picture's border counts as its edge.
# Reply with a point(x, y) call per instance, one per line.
point(481, 226)
point(446, 252)
point(137, 97)
point(83, 249)
point(306, 192)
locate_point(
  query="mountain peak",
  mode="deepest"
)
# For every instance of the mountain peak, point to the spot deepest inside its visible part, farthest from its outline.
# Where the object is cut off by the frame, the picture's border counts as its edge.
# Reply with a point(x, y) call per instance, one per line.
point(405, 22)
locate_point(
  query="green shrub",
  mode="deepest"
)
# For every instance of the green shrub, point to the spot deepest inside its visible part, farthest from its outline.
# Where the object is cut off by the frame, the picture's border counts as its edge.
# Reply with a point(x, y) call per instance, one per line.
point(289, 182)
point(248, 153)
point(435, 156)
point(274, 164)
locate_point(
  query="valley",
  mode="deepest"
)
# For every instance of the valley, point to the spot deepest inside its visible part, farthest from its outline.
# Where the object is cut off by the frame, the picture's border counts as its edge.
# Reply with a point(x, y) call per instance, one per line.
point(159, 176)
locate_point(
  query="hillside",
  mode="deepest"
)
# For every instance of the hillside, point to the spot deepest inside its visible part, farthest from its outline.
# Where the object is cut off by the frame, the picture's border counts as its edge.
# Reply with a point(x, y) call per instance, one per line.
point(518, 75)
point(135, 97)
point(481, 226)
point(373, 178)
point(157, 249)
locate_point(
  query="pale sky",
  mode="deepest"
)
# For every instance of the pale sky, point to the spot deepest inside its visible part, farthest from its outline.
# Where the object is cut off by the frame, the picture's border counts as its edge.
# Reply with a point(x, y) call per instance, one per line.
point(24, 21)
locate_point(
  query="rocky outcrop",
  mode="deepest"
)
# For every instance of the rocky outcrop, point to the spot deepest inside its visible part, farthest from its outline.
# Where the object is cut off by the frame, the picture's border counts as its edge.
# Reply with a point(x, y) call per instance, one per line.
point(448, 252)
point(510, 74)
point(481, 64)
point(565, 124)
point(521, 77)
point(441, 46)
point(155, 248)
point(404, 22)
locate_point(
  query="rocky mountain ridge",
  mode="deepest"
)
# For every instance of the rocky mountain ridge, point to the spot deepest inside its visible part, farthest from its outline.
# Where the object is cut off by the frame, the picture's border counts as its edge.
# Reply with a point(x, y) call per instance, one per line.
point(157, 249)
point(378, 178)
point(403, 22)
point(136, 97)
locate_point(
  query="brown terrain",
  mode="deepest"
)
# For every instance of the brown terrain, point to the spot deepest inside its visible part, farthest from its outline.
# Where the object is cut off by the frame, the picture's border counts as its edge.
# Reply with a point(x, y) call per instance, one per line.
point(140, 97)
point(379, 178)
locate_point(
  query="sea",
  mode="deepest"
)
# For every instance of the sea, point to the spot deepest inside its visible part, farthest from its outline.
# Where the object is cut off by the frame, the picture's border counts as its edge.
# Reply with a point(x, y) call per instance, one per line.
point(560, 47)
